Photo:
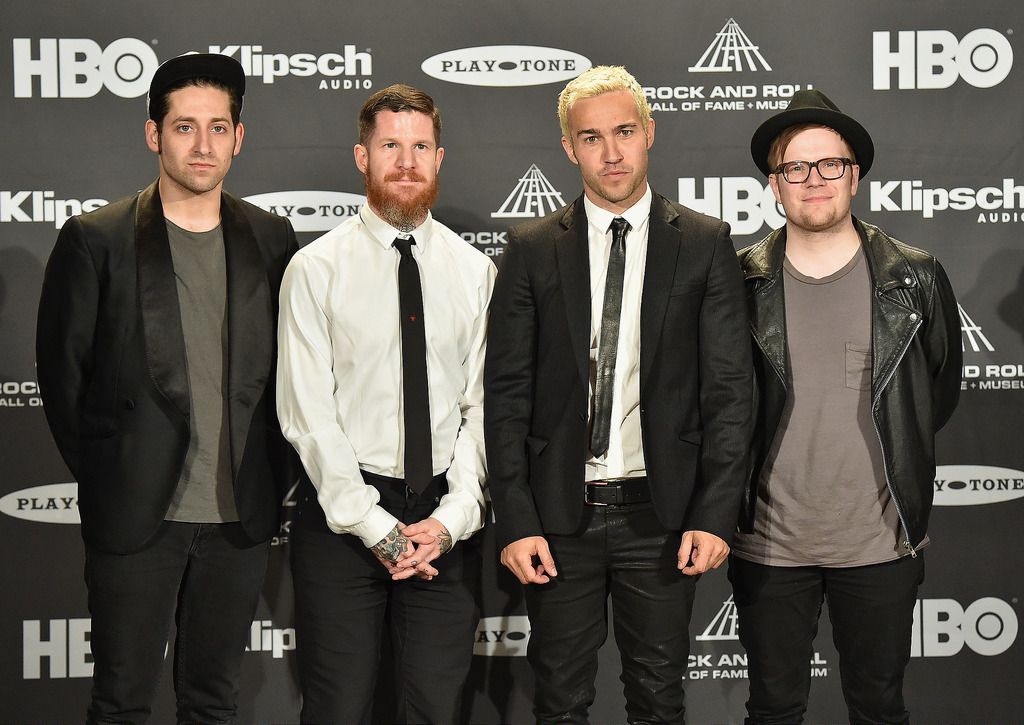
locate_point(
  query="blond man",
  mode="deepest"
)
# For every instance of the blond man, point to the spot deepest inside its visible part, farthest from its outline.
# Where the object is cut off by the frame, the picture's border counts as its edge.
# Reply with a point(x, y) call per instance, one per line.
point(618, 398)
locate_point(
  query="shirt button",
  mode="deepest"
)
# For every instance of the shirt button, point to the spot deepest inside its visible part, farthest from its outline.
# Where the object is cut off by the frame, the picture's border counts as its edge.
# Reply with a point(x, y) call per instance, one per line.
point(907, 280)
point(913, 315)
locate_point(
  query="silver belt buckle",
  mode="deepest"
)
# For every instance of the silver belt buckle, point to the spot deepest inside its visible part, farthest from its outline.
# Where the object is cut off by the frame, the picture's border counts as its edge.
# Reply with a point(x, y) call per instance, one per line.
point(586, 495)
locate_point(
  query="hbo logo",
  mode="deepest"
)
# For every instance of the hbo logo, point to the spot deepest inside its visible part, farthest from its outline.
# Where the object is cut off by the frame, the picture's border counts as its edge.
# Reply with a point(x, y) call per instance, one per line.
point(743, 201)
point(942, 627)
point(80, 68)
point(935, 59)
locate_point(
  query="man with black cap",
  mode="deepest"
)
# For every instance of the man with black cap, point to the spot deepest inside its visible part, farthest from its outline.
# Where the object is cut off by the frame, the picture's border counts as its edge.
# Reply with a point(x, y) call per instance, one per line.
point(857, 361)
point(155, 350)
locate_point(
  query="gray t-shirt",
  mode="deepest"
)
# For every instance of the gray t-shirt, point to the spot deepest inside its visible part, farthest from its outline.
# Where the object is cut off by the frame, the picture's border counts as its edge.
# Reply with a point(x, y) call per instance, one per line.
point(205, 493)
point(823, 497)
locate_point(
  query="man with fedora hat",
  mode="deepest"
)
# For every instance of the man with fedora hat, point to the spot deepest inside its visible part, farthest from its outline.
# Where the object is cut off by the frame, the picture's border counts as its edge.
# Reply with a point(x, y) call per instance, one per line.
point(155, 351)
point(857, 365)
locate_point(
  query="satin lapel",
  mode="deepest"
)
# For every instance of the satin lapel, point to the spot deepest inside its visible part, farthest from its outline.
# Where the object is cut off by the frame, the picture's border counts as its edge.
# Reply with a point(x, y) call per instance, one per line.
point(158, 302)
point(573, 255)
point(250, 322)
point(659, 271)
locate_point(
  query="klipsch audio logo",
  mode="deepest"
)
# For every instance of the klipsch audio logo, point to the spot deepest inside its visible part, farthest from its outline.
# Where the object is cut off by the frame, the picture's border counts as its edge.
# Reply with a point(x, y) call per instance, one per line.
point(533, 196)
point(731, 51)
point(43, 206)
point(310, 211)
point(505, 65)
point(743, 201)
point(943, 627)
point(973, 485)
point(995, 204)
point(506, 636)
point(55, 503)
point(81, 68)
point(265, 637)
point(347, 68)
point(983, 370)
point(929, 59)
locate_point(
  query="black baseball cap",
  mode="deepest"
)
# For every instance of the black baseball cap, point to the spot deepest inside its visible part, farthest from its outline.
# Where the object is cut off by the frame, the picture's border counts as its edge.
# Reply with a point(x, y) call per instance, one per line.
point(219, 67)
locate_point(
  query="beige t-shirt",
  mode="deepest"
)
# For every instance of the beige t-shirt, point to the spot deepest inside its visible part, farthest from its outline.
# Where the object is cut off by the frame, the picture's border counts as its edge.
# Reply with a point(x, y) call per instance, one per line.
point(823, 498)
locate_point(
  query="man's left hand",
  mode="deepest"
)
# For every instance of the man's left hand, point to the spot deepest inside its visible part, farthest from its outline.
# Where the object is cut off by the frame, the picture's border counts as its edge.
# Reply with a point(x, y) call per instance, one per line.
point(432, 540)
point(700, 552)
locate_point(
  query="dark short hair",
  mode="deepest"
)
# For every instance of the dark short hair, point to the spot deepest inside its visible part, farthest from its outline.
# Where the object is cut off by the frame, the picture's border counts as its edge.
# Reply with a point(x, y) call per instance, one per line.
point(397, 97)
point(781, 142)
point(159, 105)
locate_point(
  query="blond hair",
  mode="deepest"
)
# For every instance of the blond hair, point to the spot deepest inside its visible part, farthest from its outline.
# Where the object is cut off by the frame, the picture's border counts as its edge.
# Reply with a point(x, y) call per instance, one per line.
point(601, 79)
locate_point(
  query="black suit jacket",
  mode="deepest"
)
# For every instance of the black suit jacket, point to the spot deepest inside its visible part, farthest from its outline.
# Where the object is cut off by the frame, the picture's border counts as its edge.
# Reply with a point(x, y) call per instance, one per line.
point(695, 374)
point(111, 364)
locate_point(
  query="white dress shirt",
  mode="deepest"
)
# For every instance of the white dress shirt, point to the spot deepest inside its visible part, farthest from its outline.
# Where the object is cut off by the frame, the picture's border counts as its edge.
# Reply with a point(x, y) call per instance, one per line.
point(339, 375)
point(625, 454)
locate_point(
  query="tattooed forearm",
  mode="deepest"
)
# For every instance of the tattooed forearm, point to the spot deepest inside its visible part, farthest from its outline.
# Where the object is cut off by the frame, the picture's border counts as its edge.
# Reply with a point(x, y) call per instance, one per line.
point(391, 546)
point(444, 541)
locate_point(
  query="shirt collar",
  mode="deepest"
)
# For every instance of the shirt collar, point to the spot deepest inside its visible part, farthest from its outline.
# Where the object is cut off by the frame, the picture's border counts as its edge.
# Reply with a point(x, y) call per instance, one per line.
point(601, 219)
point(384, 234)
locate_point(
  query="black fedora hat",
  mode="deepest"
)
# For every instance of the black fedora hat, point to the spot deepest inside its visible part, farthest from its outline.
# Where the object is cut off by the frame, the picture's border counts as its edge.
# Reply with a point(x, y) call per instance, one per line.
point(812, 106)
point(219, 67)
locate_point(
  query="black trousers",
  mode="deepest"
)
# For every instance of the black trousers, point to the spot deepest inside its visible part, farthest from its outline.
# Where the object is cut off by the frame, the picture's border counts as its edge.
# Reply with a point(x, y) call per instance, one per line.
point(344, 596)
point(208, 578)
point(872, 613)
point(624, 552)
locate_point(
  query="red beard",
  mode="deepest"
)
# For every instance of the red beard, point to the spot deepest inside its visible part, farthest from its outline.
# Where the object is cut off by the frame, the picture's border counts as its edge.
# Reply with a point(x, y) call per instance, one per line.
point(402, 211)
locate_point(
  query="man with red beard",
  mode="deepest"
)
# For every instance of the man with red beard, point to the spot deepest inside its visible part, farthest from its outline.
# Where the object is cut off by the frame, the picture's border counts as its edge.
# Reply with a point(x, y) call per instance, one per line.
point(370, 312)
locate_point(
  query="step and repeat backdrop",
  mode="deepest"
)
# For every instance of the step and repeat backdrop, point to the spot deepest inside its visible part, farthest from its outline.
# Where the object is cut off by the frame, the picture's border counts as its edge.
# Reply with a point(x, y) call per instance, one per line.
point(940, 86)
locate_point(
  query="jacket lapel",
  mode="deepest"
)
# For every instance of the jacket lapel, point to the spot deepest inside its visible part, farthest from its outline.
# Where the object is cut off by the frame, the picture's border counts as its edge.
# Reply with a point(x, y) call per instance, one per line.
point(763, 276)
point(573, 254)
point(158, 302)
point(659, 271)
point(250, 322)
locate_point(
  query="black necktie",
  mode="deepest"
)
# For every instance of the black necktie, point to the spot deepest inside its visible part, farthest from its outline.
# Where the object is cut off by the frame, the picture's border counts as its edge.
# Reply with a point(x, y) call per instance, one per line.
point(418, 458)
point(609, 344)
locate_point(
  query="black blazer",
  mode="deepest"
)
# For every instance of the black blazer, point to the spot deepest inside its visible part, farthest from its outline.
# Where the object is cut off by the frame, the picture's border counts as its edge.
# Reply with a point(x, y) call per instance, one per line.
point(695, 374)
point(110, 357)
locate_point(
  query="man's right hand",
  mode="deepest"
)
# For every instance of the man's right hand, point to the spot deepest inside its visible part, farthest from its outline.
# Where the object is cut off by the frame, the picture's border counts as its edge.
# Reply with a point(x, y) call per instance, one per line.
point(519, 558)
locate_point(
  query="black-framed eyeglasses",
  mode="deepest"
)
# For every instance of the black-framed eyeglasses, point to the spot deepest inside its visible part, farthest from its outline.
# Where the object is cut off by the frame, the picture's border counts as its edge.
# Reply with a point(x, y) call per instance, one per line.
point(830, 169)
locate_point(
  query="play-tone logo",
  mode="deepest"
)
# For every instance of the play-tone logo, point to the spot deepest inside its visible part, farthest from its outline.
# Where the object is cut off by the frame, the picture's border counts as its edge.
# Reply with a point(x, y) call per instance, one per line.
point(505, 65)
point(533, 196)
point(943, 627)
point(310, 211)
point(506, 636)
point(730, 51)
point(974, 485)
point(929, 59)
point(81, 68)
point(55, 503)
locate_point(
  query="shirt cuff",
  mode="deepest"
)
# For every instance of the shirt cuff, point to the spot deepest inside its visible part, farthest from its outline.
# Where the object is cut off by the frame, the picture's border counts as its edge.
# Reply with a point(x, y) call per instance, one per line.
point(377, 524)
point(453, 517)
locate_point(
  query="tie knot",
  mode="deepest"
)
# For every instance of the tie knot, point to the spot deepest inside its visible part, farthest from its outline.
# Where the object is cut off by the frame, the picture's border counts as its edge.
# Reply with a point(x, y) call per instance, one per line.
point(404, 245)
point(620, 227)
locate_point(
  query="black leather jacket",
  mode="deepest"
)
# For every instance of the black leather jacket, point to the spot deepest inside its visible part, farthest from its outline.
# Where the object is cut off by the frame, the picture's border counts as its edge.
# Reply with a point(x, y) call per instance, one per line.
point(915, 374)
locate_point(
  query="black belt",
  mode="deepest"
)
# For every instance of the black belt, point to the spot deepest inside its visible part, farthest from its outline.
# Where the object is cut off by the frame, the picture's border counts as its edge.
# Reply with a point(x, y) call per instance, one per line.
point(617, 491)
